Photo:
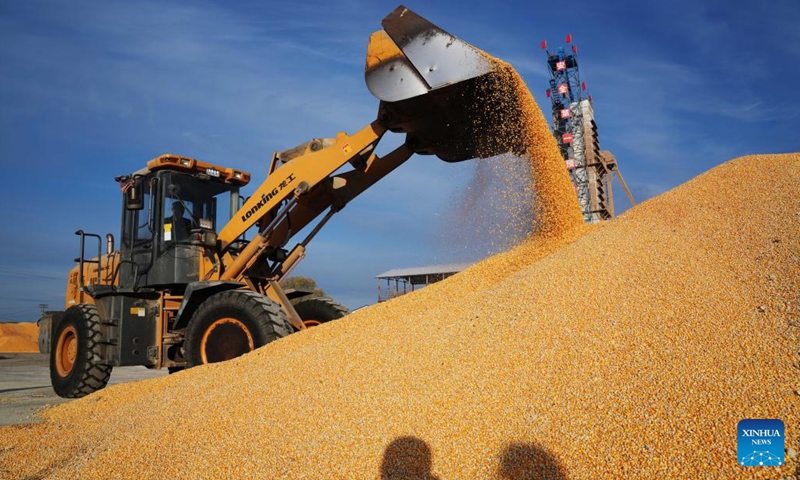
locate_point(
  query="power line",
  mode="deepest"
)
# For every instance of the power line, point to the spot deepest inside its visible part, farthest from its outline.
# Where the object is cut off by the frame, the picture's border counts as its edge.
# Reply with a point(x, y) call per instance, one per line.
point(29, 299)
point(8, 314)
point(6, 271)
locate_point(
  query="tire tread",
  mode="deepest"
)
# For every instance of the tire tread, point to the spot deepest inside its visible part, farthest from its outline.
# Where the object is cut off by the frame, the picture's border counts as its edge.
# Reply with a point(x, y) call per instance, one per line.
point(272, 322)
point(331, 308)
point(94, 375)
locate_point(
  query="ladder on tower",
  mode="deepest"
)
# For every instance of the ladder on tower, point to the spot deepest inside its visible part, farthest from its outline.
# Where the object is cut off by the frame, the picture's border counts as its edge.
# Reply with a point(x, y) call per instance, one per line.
point(574, 127)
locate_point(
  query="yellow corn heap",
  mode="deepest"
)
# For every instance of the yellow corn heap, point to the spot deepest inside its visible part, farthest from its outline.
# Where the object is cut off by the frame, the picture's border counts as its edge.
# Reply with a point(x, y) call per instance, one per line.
point(631, 349)
point(19, 337)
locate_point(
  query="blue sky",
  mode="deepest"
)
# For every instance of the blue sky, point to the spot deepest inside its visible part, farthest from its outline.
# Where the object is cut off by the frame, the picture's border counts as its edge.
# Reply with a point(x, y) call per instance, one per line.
point(94, 89)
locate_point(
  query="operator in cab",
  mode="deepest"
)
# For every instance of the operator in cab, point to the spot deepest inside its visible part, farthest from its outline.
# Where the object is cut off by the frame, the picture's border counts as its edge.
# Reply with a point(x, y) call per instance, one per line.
point(180, 224)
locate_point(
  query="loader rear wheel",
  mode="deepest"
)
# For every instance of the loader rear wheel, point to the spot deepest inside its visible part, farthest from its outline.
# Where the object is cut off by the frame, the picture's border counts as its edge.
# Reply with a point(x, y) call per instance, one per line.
point(75, 356)
point(231, 323)
point(318, 310)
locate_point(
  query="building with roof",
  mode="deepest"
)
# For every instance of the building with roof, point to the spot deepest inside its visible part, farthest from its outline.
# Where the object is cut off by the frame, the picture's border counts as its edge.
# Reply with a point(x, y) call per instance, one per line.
point(400, 281)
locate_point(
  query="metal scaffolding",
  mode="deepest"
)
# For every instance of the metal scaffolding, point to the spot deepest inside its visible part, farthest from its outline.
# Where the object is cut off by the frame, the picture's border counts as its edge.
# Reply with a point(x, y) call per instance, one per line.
point(575, 130)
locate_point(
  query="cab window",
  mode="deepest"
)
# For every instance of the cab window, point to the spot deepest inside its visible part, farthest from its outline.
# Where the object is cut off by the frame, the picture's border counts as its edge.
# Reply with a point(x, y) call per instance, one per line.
point(191, 204)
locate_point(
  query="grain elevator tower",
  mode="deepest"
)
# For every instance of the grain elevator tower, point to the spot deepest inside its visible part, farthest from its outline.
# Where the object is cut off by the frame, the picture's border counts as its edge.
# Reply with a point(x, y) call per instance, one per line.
point(575, 130)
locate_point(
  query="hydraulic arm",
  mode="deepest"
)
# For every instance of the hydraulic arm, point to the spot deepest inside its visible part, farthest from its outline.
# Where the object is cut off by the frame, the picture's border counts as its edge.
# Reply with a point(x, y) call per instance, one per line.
point(296, 193)
point(434, 87)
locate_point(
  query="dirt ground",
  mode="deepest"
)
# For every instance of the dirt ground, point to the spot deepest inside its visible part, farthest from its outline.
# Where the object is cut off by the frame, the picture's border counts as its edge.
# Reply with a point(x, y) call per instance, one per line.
point(25, 385)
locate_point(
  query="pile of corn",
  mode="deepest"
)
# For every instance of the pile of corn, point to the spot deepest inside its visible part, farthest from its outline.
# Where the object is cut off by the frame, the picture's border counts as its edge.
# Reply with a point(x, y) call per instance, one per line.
point(19, 337)
point(631, 349)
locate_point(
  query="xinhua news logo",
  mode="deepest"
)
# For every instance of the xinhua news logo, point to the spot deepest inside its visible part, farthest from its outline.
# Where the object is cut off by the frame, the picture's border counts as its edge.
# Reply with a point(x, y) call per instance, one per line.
point(761, 442)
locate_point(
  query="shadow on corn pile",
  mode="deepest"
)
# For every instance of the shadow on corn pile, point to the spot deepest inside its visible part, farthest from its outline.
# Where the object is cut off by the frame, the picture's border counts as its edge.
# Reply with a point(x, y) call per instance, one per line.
point(529, 461)
point(409, 458)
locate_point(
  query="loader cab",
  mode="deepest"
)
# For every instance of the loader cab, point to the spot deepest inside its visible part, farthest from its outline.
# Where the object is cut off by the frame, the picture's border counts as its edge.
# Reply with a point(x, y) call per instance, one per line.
point(172, 212)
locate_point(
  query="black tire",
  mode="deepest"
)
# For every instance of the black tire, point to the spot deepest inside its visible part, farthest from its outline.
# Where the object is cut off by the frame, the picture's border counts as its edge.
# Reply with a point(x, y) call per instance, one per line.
point(317, 310)
point(231, 323)
point(76, 367)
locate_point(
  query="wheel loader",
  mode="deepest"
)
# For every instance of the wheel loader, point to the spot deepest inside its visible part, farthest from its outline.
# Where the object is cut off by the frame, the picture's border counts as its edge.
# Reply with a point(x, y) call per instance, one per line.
point(197, 276)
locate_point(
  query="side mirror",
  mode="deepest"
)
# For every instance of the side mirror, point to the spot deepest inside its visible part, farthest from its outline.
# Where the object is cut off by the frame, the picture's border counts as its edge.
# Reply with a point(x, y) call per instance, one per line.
point(133, 196)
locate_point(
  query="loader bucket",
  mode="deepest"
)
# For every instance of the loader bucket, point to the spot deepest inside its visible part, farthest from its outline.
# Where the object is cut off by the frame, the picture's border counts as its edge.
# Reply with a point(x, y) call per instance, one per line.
point(446, 95)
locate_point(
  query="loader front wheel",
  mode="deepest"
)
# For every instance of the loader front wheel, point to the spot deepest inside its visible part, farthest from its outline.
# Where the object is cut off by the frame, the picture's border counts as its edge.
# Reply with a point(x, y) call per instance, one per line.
point(75, 356)
point(231, 323)
point(318, 310)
